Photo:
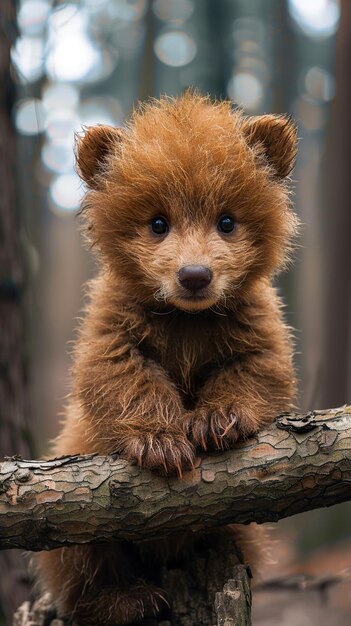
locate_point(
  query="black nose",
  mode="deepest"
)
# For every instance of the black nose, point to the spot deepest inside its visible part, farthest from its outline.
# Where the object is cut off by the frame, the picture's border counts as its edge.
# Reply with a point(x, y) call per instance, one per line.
point(194, 277)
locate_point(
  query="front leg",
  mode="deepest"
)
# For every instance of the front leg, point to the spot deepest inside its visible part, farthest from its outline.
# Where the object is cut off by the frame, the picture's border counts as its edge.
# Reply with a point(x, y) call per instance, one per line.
point(239, 400)
point(130, 406)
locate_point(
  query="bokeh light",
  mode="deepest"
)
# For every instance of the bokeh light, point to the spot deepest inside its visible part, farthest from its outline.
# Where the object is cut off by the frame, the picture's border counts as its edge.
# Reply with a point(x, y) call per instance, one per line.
point(58, 157)
point(248, 85)
point(95, 6)
point(129, 10)
point(173, 12)
point(66, 192)
point(29, 116)
point(100, 110)
point(73, 54)
point(60, 95)
point(60, 124)
point(28, 58)
point(72, 59)
point(319, 84)
point(175, 48)
point(318, 18)
point(33, 16)
point(246, 90)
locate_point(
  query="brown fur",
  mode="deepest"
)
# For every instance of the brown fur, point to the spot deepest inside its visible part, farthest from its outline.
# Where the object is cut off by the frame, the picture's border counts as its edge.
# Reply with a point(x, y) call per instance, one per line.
point(158, 375)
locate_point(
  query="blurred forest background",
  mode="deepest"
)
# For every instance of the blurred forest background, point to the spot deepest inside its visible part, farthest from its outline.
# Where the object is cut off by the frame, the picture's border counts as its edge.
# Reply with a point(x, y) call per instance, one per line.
point(84, 62)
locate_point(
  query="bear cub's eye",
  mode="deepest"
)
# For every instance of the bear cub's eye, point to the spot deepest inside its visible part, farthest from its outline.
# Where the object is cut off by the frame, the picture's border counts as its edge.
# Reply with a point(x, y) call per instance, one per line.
point(226, 224)
point(159, 226)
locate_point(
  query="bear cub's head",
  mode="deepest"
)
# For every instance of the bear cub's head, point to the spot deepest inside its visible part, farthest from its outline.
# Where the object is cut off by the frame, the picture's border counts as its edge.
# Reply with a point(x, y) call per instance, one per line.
point(188, 205)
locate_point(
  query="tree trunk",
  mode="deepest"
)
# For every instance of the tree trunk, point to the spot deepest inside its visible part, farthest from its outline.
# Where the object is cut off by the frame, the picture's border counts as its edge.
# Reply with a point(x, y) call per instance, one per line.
point(193, 593)
point(336, 361)
point(14, 404)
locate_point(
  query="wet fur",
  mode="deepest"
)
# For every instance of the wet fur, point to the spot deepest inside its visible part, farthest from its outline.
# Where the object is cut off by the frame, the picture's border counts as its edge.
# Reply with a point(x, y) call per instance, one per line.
point(157, 376)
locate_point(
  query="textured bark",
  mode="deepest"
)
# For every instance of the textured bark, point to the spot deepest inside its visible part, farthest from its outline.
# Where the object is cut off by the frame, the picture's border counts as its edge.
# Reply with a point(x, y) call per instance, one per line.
point(233, 605)
point(300, 463)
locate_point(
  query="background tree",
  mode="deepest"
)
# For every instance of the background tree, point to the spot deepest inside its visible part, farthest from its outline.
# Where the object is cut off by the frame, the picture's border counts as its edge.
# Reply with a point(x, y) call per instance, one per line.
point(336, 230)
point(14, 396)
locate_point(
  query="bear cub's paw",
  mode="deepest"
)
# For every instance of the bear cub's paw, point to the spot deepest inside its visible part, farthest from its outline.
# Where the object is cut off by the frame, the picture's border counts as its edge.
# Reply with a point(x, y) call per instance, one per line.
point(164, 452)
point(219, 428)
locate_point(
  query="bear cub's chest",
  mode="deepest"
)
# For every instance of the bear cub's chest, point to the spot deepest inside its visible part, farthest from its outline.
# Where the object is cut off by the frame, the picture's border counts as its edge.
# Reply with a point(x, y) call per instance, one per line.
point(191, 349)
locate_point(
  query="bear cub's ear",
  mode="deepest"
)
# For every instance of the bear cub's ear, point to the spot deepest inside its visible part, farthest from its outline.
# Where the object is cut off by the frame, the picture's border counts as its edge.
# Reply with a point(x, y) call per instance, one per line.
point(277, 135)
point(92, 149)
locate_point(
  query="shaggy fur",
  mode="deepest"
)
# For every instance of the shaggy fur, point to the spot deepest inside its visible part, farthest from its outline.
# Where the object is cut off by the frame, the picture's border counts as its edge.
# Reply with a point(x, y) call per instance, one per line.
point(159, 374)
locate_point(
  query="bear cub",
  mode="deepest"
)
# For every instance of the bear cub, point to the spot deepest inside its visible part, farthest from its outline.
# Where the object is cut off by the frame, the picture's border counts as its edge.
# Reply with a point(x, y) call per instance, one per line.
point(183, 347)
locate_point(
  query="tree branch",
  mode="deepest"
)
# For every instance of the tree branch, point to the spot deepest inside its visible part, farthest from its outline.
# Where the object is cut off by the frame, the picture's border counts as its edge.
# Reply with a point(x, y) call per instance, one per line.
point(300, 463)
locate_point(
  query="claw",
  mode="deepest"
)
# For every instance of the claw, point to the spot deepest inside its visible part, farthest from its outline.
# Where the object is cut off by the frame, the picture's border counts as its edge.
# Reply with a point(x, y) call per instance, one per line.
point(214, 428)
point(179, 469)
point(232, 423)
